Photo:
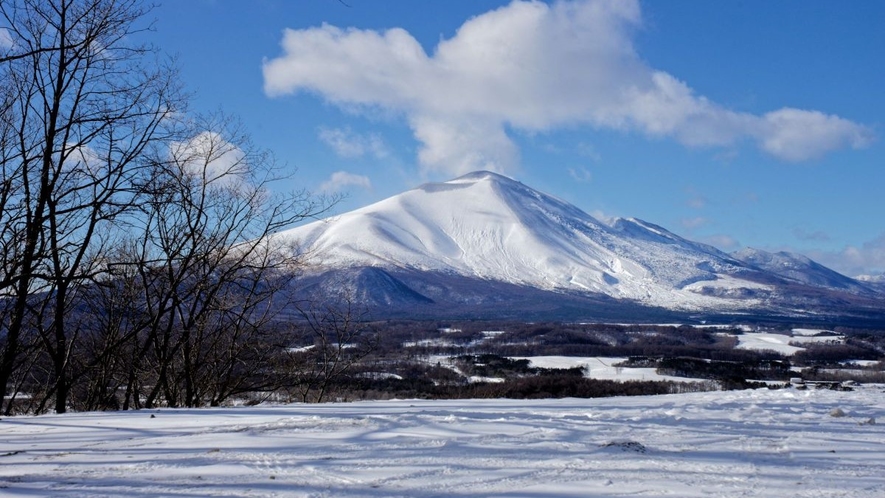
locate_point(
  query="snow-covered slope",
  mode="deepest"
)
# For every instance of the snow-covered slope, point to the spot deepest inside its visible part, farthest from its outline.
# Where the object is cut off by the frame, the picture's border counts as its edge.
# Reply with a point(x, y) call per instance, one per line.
point(493, 231)
point(876, 282)
point(761, 443)
point(798, 268)
point(874, 279)
point(487, 226)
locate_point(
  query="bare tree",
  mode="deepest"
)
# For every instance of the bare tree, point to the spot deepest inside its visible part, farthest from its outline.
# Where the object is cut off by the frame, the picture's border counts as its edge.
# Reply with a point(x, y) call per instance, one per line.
point(209, 268)
point(333, 337)
point(137, 248)
point(85, 106)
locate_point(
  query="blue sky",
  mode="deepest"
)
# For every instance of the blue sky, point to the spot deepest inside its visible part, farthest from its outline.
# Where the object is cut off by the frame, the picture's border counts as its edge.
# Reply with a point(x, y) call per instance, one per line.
point(736, 123)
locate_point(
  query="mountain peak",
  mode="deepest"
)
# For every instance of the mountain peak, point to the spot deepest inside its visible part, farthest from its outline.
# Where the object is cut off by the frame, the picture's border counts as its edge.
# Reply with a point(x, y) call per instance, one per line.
point(476, 176)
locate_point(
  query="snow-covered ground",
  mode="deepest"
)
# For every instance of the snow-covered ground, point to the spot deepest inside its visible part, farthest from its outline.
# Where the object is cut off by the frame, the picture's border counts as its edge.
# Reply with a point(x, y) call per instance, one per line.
point(813, 332)
point(862, 363)
point(742, 443)
point(783, 344)
point(602, 368)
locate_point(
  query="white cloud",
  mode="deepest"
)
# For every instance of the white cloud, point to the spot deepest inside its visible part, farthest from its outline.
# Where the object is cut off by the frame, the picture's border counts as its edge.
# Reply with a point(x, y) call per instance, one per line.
point(348, 144)
point(340, 180)
point(696, 200)
point(604, 217)
point(868, 259)
point(456, 145)
point(580, 175)
point(529, 66)
point(211, 158)
point(5, 39)
point(692, 223)
point(589, 151)
point(796, 135)
point(722, 242)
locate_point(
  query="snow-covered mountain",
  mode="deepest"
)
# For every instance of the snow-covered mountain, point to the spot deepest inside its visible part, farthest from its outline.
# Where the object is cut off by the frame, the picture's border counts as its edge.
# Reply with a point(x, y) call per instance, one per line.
point(874, 281)
point(798, 268)
point(494, 231)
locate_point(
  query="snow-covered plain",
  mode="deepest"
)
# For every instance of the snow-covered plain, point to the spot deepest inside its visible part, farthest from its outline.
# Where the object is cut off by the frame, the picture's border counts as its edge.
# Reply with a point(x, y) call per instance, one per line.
point(602, 368)
point(757, 443)
point(784, 344)
point(596, 367)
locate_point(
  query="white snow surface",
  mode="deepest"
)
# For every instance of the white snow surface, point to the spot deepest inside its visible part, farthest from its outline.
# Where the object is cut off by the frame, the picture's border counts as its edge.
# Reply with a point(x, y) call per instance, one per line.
point(813, 332)
point(491, 227)
point(602, 368)
point(756, 443)
point(783, 344)
point(876, 279)
point(597, 367)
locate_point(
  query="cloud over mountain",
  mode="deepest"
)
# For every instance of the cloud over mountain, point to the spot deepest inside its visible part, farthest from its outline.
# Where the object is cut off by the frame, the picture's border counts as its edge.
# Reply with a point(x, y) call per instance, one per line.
point(351, 145)
point(340, 180)
point(532, 67)
point(868, 257)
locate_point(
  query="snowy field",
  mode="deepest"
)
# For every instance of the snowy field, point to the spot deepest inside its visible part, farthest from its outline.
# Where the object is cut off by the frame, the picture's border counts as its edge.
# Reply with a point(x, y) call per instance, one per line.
point(780, 343)
point(719, 444)
point(597, 367)
point(602, 368)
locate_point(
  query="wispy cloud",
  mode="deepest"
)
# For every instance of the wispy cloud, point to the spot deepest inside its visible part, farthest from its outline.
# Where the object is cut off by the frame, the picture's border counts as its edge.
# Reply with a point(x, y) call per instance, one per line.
point(723, 242)
point(868, 258)
point(341, 180)
point(696, 200)
point(211, 158)
point(580, 175)
point(349, 144)
point(693, 223)
point(604, 217)
point(589, 151)
point(5, 39)
point(817, 235)
point(531, 66)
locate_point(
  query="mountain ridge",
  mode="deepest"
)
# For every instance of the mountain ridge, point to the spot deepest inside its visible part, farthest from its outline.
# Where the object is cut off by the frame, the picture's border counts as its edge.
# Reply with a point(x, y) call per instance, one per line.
point(485, 227)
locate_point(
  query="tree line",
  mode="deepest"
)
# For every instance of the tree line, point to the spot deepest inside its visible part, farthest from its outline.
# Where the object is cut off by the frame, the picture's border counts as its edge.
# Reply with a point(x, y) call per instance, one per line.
point(138, 266)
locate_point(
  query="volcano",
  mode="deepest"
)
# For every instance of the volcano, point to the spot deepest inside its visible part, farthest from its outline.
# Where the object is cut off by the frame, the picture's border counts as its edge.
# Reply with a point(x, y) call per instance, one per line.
point(489, 242)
